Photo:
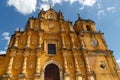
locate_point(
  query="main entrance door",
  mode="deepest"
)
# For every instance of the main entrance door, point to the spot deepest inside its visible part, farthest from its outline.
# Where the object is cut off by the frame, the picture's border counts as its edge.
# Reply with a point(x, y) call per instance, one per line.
point(52, 72)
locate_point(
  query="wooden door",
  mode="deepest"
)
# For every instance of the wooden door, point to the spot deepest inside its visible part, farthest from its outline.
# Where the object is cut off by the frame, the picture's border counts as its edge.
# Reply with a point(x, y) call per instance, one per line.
point(51, 72)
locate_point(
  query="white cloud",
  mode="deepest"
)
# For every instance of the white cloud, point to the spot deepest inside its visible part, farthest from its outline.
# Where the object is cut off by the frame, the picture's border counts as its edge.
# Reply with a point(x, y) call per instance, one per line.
point(81, 8)
point(72, 1)
point(111, 9)
point(57, 1)
point(118, 61)
point(23, 6)
point(6, 36)
point(44, 6)
point(99, 4)
point(45, 3)
point(101, 13)
point(2, 52)
point(83, 2)
point(5, 39)
point(88, 2)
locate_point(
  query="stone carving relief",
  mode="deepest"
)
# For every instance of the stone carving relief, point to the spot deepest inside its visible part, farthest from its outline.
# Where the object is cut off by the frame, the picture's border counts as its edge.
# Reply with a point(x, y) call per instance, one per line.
point(51, 26)
point(17, 65)
point(22, 42)
point(31, 65)
point(34, 42)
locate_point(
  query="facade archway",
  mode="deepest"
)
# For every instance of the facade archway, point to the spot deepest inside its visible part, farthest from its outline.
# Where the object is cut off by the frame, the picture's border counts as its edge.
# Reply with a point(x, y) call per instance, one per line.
point(55, 65)
point(51, 72)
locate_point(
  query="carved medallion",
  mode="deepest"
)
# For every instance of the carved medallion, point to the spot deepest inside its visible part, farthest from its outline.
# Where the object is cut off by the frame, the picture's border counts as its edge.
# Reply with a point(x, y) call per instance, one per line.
point(34, 41)
point(22, 42)
point(31, 65)
point(70, 64)
point(76, 44)
point(51, 26)
point(81, 64)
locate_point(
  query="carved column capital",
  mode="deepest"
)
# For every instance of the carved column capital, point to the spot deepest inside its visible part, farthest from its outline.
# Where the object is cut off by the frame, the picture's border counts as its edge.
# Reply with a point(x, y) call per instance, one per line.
point(12, 53)
point(29, 32)
point(39, 53)
point(26, 53)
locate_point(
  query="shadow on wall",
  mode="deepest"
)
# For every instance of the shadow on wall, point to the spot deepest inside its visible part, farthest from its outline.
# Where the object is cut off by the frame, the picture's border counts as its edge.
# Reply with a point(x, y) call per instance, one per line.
point(0, 78)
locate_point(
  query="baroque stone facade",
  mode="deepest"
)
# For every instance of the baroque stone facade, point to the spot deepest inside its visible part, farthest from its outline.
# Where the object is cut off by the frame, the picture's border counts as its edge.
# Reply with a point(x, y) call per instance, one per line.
point(51, 48)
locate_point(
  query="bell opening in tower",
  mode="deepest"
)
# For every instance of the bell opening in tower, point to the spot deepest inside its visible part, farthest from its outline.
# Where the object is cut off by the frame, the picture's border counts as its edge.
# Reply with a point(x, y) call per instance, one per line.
point(88, 28)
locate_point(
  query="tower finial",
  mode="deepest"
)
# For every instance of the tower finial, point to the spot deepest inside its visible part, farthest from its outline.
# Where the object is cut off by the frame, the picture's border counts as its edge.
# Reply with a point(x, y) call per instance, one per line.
point(19, 29)
point(78, 16)
point(50, 5)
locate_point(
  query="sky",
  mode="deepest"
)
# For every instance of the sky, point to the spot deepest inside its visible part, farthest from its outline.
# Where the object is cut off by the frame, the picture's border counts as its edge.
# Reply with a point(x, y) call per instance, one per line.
point(106, 14)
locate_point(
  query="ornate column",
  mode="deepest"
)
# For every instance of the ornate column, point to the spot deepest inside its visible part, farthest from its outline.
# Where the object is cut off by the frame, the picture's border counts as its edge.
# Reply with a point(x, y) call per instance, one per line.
point(39, 52)
point(66, 73)
point(76, 62)
point(31, 23)
point(71, 27)
point(40, 40)
point(12, 55)
point(87, 64)
point(16, 41)
point(83, 43)
point(69, 73)
point(26, 53)
point(62, 28)
point(91, 75)
point(64, 60)
point(63, 41)
point(28, 40)
point(73, 41)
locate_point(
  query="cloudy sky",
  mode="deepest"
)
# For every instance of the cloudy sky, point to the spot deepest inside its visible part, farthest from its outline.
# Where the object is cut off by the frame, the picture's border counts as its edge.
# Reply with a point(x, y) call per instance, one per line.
point(105, 13)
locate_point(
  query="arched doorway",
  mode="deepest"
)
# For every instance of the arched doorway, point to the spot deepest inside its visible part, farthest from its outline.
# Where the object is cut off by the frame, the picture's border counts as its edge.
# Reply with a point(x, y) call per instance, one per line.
point(51, 72)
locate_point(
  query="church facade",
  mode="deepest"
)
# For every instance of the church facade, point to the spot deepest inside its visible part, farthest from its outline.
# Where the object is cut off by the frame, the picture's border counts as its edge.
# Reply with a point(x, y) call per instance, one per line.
point(51, 48)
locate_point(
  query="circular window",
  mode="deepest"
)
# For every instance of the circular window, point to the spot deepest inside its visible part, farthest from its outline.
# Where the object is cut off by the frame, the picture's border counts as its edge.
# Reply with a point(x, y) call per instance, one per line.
point(94, 42)
point(102, 65)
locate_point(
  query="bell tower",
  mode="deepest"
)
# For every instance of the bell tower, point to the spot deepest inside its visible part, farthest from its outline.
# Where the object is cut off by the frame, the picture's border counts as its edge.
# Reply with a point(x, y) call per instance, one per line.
point(99, 59)
point(91, 39)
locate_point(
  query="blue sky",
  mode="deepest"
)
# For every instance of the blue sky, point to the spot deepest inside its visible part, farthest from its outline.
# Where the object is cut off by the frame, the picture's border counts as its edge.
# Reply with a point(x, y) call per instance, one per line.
point(105, 13)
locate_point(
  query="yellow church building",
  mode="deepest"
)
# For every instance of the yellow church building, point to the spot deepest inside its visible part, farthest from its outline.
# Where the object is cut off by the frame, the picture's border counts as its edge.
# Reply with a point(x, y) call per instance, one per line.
point(51, 48)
